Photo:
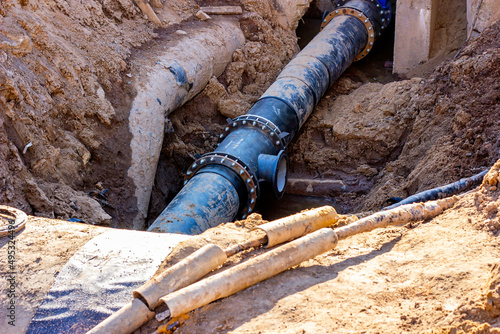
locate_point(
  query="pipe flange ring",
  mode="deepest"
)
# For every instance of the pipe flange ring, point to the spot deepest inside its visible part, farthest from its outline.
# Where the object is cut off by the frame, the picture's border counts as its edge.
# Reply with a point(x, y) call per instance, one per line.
point(385, 11)
point(264, 125)
point(236, 165)
point(11, 220)
point(360, 16)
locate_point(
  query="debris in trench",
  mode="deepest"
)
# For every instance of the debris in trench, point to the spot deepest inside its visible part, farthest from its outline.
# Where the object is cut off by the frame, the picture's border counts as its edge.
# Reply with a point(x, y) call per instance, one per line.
point(202, 15)
point(100, 196)
point(222, 10)
point(146, 9)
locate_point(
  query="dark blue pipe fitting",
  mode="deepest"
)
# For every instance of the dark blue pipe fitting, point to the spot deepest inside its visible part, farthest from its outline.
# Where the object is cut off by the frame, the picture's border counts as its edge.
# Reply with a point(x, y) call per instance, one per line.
point(273, 168)
point(221, 184)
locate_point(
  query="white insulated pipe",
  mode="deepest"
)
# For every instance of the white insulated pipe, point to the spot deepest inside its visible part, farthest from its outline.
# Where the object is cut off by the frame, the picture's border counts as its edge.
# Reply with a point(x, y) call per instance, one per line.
point(250, 272)
point(291, 254)
point(298, 225)
point(178, 74)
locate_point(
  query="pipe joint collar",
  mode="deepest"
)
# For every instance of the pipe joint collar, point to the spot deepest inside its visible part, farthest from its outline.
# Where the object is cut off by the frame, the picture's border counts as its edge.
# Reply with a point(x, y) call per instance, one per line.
point(382, 7)
point(374, 14)
point(274, 169)
point(265, 126)
point(237, 166)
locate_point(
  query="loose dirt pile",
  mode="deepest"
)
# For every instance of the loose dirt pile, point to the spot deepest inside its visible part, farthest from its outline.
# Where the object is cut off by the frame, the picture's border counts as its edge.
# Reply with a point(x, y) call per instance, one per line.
point(407, 136)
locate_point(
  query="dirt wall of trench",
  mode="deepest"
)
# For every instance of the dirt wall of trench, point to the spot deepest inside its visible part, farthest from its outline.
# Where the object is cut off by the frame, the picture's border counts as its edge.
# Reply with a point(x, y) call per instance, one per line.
point(394, 140)
point(61, 131)
point(65, 95)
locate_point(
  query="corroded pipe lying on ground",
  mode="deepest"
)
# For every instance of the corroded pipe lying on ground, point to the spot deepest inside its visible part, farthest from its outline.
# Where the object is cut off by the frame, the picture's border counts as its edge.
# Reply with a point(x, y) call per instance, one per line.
point(194, 267)
point(221, 184)
point(291, 254)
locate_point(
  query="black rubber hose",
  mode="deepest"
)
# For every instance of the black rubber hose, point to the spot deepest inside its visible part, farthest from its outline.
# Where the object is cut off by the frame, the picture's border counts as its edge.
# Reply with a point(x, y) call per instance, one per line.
point(441, 192)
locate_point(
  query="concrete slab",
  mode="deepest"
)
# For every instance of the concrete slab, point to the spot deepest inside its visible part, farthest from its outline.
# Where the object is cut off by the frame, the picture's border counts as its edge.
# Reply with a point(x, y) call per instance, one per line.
point(413, 39)
point(487, 14)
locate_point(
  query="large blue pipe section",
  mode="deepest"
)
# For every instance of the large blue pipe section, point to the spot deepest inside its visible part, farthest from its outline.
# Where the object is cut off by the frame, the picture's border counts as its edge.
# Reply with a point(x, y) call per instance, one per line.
point(224, 183)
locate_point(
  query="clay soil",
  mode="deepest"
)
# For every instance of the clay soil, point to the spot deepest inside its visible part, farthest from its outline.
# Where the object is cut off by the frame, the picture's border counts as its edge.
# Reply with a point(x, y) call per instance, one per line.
point(64, 141)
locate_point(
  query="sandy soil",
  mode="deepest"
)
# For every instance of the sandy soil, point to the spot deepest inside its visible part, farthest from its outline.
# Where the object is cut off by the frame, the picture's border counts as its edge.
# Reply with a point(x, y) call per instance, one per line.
point(42, 248)
point(61, 132)
point(64, 133)
point(435, 276)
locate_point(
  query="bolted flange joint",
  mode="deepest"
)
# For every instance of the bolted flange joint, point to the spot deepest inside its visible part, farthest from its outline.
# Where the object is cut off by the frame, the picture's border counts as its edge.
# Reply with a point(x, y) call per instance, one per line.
point(375, 18)
point(263, 125)
point(238, 167)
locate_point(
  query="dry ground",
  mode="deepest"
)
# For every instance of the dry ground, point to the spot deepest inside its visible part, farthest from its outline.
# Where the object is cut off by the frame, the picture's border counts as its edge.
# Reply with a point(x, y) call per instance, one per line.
point(59, 89)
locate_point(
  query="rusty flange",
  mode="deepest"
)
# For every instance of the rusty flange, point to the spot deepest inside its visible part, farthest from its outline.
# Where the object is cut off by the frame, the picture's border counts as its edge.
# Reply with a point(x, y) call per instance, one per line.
point(360, 16)
point(385, 10)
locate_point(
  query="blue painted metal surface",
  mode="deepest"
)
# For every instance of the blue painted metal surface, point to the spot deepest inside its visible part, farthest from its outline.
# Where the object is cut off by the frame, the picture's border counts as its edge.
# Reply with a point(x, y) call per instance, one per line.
point(221, 184)
point(204, 202)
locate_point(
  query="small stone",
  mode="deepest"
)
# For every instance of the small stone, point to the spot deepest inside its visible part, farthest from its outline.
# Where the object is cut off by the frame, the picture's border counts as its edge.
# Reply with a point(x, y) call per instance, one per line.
point(367, 170)
point(202, 15)
point(3, 57)
point(492, 207)
point(129, 75)
point(181, 32)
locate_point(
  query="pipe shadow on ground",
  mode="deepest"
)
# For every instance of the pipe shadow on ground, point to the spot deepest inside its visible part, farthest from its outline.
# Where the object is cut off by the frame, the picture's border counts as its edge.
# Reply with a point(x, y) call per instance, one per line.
point(263, 295)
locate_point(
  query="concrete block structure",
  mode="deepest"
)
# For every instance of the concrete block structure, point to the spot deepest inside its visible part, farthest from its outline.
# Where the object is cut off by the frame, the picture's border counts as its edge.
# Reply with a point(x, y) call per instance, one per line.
point(429, 31)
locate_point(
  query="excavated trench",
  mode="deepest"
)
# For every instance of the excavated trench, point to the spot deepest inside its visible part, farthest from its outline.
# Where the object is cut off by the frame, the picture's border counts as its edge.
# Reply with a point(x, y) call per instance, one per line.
point(193, 129)
point(65, 135)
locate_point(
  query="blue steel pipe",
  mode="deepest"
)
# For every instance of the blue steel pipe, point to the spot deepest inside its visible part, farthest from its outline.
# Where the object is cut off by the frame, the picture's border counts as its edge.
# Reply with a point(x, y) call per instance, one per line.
point(223, 183)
